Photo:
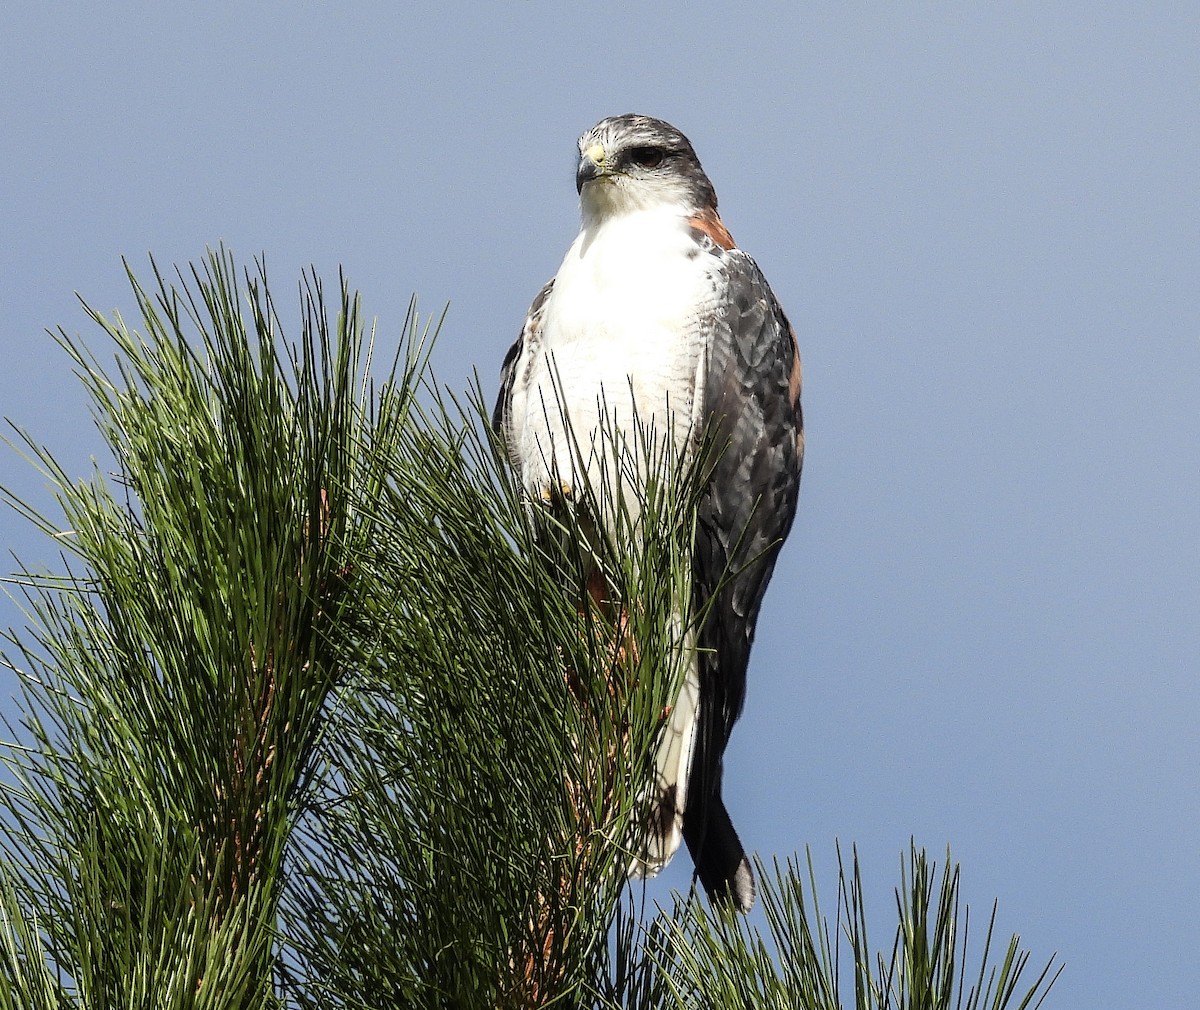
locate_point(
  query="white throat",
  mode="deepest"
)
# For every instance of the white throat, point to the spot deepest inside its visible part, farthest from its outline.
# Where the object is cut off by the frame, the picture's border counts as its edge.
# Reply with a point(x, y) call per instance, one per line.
point(622, 335)
point(616, 196)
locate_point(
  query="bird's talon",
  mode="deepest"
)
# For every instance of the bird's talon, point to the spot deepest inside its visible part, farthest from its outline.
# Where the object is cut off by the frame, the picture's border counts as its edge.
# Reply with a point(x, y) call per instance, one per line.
point(563, 492)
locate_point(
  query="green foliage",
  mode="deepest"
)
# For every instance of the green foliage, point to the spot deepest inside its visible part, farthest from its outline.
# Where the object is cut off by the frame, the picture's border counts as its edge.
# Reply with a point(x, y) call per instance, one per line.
point(713, 958)
point(322, 712)
point(174, 679)
point(484, 772)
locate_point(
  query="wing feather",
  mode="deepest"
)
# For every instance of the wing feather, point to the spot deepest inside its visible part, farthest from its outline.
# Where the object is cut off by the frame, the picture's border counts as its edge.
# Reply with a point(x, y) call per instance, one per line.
point(752, 410)
point(516, 361)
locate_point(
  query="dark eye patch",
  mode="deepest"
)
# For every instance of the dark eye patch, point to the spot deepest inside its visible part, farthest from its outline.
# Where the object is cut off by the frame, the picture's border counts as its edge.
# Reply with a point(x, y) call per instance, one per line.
point(647, 157)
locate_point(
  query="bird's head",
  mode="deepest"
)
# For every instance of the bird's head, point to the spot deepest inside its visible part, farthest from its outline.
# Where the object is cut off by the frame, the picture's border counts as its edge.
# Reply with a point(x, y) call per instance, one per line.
point(631, 162)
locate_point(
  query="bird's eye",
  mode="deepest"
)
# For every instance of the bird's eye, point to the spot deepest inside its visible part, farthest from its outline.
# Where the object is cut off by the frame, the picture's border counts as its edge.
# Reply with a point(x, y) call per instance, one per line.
point(646, 157)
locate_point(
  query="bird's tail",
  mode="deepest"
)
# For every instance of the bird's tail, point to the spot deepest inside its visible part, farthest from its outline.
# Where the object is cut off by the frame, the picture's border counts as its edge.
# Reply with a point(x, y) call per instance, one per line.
point(673, 815)
point(668, 797)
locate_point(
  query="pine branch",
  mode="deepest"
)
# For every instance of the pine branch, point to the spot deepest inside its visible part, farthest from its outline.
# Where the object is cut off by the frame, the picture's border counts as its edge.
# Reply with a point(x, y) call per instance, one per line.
point(485, 775)
point(711, 958)
point(174, 680)
point(321, 711)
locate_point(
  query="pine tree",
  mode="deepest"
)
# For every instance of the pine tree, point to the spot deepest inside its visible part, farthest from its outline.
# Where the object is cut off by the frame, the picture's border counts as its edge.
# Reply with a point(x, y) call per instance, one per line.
point(319, 712)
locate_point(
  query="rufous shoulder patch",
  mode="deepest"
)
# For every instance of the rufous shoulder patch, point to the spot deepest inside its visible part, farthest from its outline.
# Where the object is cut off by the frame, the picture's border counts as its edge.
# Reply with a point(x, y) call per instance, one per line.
point(709, 222)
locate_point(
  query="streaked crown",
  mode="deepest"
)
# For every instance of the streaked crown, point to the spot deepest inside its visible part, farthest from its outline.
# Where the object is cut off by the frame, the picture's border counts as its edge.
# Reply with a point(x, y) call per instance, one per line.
point(634, 162)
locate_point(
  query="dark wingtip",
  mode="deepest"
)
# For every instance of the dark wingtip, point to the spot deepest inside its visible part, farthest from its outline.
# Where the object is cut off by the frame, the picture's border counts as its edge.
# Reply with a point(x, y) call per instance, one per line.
point(742, 886)
point(721, 862)
point(737, 889)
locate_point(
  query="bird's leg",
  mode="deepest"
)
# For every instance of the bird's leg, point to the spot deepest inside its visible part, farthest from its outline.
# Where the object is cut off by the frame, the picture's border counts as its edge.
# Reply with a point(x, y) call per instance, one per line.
point(556, 492)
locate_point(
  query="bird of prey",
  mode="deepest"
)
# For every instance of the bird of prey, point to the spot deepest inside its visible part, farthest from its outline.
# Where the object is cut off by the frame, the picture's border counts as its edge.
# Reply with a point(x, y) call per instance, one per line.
point(656, 317)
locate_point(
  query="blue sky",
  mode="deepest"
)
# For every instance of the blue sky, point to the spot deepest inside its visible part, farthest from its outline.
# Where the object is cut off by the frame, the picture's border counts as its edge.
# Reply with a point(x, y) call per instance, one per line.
point(984, 223)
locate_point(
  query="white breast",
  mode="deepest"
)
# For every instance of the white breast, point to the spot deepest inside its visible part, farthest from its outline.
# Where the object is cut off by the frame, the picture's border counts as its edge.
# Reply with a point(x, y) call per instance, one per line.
point(623, 337)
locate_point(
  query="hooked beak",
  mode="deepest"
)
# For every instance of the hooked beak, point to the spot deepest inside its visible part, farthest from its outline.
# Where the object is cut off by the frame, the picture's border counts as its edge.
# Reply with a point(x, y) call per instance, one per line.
point(591, 166)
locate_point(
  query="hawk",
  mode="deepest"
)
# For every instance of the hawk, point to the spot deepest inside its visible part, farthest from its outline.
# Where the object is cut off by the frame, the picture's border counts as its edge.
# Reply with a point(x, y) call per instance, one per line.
point(657, 318)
